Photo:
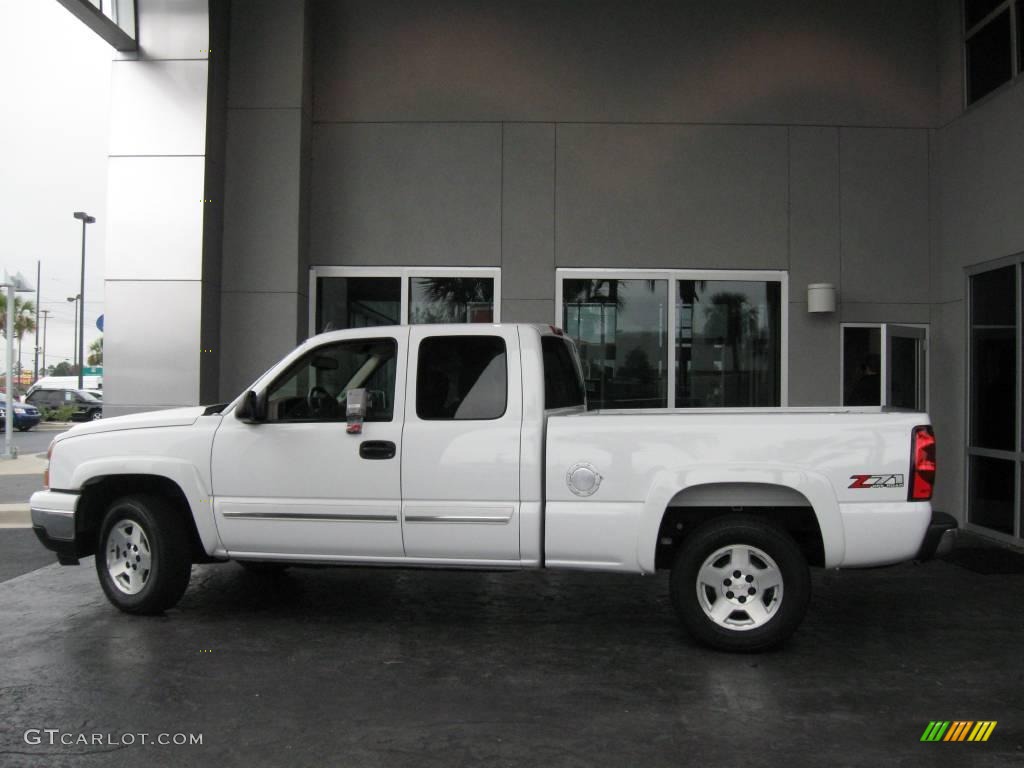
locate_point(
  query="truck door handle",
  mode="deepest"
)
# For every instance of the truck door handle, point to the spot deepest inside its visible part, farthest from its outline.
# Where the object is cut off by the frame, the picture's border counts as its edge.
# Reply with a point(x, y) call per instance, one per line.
point(376, 449)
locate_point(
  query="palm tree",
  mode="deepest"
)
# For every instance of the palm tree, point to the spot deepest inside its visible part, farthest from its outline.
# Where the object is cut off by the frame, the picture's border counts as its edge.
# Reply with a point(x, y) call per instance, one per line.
point(21, 306)
point(24, 320)
point(96, 352)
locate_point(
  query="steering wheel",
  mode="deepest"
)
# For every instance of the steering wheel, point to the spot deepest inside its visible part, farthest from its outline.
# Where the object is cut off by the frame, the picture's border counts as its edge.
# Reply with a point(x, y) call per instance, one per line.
point(321, 403)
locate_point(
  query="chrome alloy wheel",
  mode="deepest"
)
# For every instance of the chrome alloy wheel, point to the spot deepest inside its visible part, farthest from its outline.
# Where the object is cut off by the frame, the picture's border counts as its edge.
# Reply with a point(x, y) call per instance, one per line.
point(739, 587)
point(129, 558)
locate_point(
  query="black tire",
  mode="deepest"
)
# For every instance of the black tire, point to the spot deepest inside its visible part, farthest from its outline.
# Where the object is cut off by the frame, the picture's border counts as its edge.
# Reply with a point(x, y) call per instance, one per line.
point(165, 529)
point(263, 567)
point(741, 631)
point(24, 429)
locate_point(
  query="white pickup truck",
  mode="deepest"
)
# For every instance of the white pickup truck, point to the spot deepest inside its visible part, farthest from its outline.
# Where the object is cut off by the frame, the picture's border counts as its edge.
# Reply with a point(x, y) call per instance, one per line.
point(470, 446)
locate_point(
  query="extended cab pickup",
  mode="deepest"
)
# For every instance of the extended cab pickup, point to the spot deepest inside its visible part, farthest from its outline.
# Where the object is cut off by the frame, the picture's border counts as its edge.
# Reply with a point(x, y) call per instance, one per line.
point(472, 446)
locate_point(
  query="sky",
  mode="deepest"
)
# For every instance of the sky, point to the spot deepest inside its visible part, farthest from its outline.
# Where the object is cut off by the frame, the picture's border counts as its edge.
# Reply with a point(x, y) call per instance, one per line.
point(54, 120)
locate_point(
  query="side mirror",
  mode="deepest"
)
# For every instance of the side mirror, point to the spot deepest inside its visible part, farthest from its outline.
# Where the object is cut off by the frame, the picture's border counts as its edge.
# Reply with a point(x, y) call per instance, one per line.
point(252, 409)
point(355, 410)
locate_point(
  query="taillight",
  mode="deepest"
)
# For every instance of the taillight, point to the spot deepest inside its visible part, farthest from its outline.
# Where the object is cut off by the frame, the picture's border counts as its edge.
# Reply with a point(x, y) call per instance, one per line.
point(46, 472)
point(922, 464)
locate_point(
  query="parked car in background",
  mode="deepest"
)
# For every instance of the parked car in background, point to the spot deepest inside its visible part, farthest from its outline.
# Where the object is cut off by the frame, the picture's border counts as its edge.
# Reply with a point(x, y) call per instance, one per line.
point(25, 416)
point(87, 407)
point(92, 384)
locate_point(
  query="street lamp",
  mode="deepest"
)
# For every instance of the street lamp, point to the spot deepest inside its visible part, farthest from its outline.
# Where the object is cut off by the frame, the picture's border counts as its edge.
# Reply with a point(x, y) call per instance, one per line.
point(12, 284)
point(74, 340)
point(85, 218)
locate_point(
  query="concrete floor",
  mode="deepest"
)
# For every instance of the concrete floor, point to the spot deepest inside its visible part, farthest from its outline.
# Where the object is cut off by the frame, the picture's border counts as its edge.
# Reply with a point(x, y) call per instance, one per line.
point(361, 667)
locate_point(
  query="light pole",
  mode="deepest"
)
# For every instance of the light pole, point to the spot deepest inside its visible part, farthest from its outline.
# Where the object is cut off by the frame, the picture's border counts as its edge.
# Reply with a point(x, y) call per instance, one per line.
point(46, 316)
point(39, 281)
point(74, 341)
point(12, 284)
point(85, 218)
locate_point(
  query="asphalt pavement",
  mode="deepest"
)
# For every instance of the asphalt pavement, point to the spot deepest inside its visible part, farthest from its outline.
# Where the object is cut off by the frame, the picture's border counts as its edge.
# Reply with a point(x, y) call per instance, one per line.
point(387, 667)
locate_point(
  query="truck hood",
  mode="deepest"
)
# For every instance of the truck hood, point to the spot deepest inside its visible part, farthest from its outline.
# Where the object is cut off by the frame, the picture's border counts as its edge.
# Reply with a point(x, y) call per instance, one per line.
point(173, 417)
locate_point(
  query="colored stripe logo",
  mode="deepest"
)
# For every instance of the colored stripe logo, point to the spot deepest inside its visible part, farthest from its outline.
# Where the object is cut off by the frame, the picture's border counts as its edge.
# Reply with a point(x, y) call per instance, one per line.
point(959, 730)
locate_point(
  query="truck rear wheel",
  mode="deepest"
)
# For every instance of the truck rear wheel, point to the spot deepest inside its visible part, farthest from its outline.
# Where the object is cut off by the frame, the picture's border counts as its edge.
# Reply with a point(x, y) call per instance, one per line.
point(740, 584)
point(143, 557)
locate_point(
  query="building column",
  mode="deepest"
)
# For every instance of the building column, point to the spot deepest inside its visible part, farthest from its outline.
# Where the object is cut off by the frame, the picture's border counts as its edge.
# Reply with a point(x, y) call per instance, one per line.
point(264, 291)
point(163, 205)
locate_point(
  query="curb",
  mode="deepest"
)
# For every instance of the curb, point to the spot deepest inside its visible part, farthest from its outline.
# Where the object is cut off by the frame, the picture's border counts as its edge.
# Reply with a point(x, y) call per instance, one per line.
point(26, 464)
point(15, 516)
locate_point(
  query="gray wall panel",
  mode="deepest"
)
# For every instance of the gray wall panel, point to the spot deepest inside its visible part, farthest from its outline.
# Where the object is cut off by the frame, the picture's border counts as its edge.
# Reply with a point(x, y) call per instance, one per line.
point(671, 196)
point(262, 200)
point(813, 357)
point(884, 198)
point(813, 208)
point(527, 310)
point(406, 194)
point(173, 29)
point(151, 342)
point(979, 163)
point(156, 217)
point(827, 62)
point(267, 53)
point(948, 347)
point(257, 329)
point(949, 51)
point(158, 108)
point(868, 312)
point(528, 211)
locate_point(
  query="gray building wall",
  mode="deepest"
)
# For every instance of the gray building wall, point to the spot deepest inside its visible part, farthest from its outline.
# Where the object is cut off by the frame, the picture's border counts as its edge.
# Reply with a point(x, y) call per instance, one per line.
point(978, 192)
point(826, 139)
point(533, 136)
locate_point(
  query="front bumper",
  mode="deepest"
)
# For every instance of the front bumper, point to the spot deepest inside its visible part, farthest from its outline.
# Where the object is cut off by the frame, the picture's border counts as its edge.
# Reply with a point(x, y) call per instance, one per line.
point(53, 520)
point(939, 538)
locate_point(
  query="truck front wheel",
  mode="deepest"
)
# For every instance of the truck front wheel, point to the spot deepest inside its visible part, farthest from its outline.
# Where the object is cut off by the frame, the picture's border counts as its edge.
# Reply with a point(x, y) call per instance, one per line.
point(143, 558)
point(740, 584)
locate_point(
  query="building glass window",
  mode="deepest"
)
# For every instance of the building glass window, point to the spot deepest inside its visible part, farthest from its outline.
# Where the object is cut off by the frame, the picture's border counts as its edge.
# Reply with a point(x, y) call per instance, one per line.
point(989, 45)
point(451, 300)
point(677, 338)
point(358, 302)
point(727, 343)
point(862, 365)
point(994, 453)
point(885, 364)
point(359, 297)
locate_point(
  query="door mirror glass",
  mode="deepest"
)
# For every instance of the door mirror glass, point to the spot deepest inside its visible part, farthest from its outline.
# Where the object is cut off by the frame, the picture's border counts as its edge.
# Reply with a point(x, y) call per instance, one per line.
point(355, 410)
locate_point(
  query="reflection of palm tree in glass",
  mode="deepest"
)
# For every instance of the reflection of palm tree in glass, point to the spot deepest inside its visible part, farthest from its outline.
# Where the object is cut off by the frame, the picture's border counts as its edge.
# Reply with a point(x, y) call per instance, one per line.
point(741, 321)
point(609, 299)
point(449, 299)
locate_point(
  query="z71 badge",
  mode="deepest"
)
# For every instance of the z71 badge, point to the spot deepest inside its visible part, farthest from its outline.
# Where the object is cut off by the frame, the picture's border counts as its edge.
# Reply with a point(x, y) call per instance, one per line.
point(876, 481)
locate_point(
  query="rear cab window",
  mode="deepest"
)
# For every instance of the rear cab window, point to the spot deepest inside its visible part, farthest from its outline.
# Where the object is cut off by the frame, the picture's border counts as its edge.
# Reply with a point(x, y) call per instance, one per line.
point(461, 378)
point(563, 381)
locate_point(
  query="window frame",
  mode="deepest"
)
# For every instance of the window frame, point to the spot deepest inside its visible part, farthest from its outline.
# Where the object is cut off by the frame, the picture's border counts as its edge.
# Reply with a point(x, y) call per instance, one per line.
point(673, 276)
point(405, 274)
point(883, 330)
point(1015, 8)
point(969, 451)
